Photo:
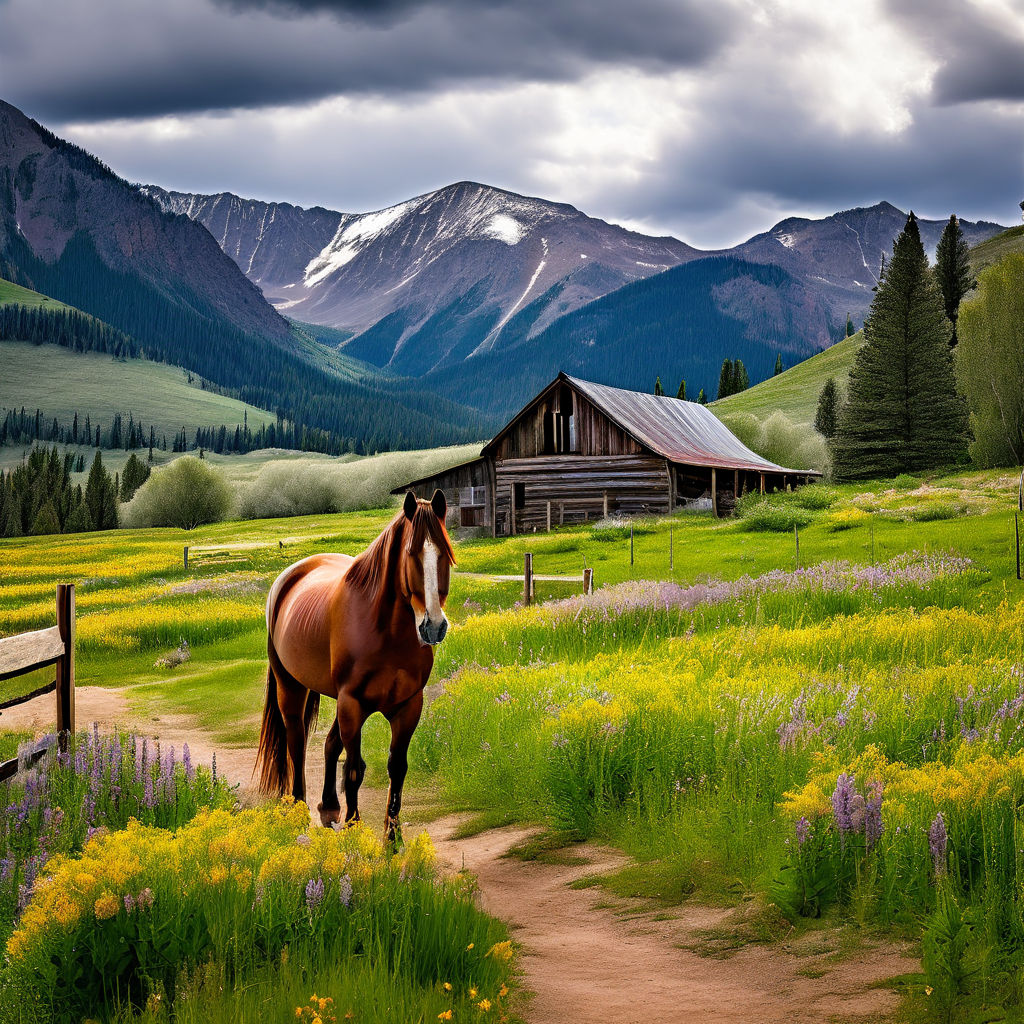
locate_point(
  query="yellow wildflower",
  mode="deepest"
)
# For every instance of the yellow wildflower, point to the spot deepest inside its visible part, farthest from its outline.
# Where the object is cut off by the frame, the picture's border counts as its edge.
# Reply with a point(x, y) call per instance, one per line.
point(484, 1004)
point(445, 1015)
point(447, 986)
point(107, 906)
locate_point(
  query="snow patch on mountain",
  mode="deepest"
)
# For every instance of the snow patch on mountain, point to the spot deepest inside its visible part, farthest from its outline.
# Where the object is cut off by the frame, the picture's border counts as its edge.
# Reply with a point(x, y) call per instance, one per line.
point(352, 235)
point(505, 228)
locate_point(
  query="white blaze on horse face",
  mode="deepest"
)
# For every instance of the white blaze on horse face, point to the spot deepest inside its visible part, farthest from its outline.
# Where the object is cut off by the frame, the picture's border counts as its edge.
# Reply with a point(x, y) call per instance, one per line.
point(430, 594)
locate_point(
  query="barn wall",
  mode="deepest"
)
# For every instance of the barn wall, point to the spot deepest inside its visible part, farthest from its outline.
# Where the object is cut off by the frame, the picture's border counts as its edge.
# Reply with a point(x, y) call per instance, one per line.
point(575, 488)
point(456, 483)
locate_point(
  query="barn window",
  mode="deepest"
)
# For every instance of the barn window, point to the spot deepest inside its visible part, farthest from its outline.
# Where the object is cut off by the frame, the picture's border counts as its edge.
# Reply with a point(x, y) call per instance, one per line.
point(519, 495)
point(549, 433)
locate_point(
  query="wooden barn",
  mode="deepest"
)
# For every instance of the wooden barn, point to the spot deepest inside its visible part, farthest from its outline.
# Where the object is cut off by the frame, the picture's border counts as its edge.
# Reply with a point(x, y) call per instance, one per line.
point(582, 451)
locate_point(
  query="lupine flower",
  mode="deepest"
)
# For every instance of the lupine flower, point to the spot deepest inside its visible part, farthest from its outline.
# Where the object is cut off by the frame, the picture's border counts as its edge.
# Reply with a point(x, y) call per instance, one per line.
point(314, 893)
point(186, 758)
point(937, 842)
point(873, 815)
point(345, 890)
point(803, 830)
point(842, 800)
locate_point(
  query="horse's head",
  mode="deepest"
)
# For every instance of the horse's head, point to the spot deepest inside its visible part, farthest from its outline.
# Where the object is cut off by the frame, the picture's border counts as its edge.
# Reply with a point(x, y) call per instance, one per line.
point(426, 567)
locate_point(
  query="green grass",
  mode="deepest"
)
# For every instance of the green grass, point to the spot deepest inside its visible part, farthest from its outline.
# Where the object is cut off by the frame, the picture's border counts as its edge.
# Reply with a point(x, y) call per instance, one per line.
point(15, 293)
point(61, 382)
point(994, 249)
point(795, 391)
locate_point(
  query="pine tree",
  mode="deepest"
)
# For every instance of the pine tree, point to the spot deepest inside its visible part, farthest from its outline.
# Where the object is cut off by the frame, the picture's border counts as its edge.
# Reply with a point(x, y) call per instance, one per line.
point(953, 270)
point(778, 365)
point(903, 412)
point(740, 380)
point(681, 393)
point(79, 521)
point(45, 521)
point(658, 389)
point(96, 488)
point(725, 379)
point(702, 398)
point(12, 524)
point(826, 417)
point(850, 329)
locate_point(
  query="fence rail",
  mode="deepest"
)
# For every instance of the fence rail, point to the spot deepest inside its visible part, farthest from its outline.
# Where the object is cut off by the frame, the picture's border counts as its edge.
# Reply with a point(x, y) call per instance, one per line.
point(28, 652)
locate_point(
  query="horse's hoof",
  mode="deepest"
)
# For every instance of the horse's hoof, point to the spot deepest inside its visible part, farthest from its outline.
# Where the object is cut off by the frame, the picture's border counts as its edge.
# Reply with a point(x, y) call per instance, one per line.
point(329, 816)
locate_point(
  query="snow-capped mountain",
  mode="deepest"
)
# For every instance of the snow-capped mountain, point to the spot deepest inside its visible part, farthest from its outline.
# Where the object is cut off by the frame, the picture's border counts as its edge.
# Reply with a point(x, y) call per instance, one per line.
point(433, 279)
point(841, 255)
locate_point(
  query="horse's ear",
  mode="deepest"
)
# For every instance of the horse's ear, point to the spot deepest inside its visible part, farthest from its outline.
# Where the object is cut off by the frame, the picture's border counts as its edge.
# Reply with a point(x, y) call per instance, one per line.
point(409, 508)
point(439, 505)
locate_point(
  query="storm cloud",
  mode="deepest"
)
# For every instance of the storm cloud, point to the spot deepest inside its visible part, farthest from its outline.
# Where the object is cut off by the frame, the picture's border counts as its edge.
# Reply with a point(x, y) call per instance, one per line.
point(709, 121)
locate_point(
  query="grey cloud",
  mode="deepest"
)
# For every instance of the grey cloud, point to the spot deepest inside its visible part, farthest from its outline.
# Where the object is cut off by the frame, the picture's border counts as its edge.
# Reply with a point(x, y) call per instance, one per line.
point(982, 50)
point(132, 59)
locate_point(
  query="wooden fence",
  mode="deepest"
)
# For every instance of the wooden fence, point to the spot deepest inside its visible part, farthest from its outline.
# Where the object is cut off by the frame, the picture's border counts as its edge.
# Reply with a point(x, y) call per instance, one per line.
point(28, 652)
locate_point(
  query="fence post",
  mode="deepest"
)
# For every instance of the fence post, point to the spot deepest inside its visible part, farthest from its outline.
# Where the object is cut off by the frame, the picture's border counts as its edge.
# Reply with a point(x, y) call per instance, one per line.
point(1016, 530)
point(630, 543)
point(796, 534)
point(588, 581)
point(527, 578)
point(186, 558)
point(549, 516)
point(671, 553)
point(65, 667)
point(604, 499)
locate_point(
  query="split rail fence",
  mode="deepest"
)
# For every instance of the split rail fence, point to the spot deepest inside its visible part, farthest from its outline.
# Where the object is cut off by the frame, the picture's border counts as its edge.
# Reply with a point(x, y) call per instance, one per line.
point(27, 652)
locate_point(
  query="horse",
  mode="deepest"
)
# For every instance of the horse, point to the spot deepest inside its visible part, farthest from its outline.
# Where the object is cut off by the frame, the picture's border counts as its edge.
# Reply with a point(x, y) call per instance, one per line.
point(361, 630)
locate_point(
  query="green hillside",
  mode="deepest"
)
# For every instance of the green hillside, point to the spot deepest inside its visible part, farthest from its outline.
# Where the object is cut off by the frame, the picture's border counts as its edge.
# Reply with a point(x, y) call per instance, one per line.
point(11, 292)
point(61, 382)
point(795, 391)
point(995, 248)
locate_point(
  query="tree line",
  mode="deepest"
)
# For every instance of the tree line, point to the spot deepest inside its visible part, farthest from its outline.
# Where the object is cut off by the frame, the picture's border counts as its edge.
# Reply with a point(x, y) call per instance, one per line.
point(39, 498)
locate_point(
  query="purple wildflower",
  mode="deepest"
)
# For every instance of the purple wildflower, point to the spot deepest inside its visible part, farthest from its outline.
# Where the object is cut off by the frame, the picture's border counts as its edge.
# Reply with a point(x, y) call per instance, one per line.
point(803, 831)
point(145, 899)
point(186, 758)
point(314, 893)
point(937, 843)
point(873, 815)
point(842, 800)
point(345, 890)
point(129, 902)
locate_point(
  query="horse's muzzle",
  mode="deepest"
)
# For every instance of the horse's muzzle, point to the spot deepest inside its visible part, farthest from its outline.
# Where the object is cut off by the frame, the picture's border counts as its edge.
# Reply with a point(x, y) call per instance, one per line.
point(433, 632)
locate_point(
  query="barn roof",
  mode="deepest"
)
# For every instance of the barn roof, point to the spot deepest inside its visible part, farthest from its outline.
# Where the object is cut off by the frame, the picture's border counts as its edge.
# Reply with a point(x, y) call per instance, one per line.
point(681, 431)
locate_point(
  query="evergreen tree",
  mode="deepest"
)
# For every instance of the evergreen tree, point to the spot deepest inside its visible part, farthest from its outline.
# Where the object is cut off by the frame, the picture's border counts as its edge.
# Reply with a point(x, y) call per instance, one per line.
point(850, 329)
point(903, 412)
point(725, 379)
point(100, 497)
point(658, 389)
point(740, 380)
point(953, 270)
point(702, 398)
point(826, 417)
point(12, 524)
point(778, 365)
point(136, 472)
point(79, 521)
point(45, 521)
point(681, 393)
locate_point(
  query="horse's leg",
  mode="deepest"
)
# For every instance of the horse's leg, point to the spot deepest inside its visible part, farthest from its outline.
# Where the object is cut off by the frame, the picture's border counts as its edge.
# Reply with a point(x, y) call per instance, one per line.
point(350, 731)
point(292, 701)
point(403, 724)
point(330, 807)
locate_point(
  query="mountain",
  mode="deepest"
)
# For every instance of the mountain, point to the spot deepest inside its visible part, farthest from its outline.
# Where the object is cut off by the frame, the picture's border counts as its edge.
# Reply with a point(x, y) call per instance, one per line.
point(272, 243)
point(841, 255)
point(435, 279)
point(678, 324)
point(74, 230)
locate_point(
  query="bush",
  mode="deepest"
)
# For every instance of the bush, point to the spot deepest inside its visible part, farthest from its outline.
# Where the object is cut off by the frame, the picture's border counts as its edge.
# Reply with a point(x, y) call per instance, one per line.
point(769, 518)
point(779, 439)
point(187, 493)
point(816, 497)
point(906, 482)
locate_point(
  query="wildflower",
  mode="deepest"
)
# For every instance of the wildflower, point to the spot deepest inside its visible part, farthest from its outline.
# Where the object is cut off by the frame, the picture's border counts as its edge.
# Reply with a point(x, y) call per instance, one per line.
point(937, 842)
point(447, 986)
point(470, 946)
point(345, 890)
point(873, 815)
point(842, 799)
point(445, 1015)
point(106, 906)
point(502, 951)
point(803, 830)
point(314, 893)
point(484, 1004)
point(472, 993)
point(503, 991)
point(928, 990)
point(145, 899)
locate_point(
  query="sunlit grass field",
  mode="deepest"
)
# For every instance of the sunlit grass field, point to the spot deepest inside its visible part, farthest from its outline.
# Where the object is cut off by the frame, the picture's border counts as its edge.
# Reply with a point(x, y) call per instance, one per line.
point(834, 732)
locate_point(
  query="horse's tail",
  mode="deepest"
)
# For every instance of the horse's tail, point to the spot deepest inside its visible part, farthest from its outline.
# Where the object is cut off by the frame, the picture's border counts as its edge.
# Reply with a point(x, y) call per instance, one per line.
point(272, 755)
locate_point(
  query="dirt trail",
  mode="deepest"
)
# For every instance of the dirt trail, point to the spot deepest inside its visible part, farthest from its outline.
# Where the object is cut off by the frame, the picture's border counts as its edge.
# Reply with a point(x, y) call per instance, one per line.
point(587, 958)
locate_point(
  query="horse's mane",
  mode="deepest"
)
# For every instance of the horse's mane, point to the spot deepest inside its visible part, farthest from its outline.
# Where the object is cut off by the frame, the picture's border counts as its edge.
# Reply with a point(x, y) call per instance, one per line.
point(373, 572)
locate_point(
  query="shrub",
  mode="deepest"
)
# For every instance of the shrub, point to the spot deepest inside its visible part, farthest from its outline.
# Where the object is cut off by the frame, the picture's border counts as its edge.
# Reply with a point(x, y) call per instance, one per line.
point(779, 439)
point(817, 497)
point(906, 482)
point(187, 493)
point(772, 513)
point(142, 907)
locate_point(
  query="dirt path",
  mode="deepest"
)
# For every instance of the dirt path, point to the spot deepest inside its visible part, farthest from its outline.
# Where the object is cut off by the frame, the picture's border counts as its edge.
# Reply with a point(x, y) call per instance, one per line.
point(587, 958)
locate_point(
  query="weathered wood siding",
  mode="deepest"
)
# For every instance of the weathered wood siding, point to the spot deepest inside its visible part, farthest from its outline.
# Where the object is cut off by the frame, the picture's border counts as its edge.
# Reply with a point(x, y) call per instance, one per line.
point(456, 484)
point(575, 486)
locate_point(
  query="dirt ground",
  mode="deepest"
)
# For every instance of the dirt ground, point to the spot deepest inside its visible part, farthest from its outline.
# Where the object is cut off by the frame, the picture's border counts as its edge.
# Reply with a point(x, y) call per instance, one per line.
point(586, 957)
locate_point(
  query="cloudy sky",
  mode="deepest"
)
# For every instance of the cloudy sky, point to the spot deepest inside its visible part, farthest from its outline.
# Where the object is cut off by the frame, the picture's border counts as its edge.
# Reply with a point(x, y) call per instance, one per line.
point(706, 119)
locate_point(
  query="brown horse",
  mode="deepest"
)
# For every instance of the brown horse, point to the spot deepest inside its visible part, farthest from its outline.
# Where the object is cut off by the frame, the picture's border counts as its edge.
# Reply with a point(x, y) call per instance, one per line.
point(360, 630)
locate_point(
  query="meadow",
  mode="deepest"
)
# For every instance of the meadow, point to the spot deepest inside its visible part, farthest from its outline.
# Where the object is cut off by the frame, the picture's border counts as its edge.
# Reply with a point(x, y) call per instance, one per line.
point(831, 736)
